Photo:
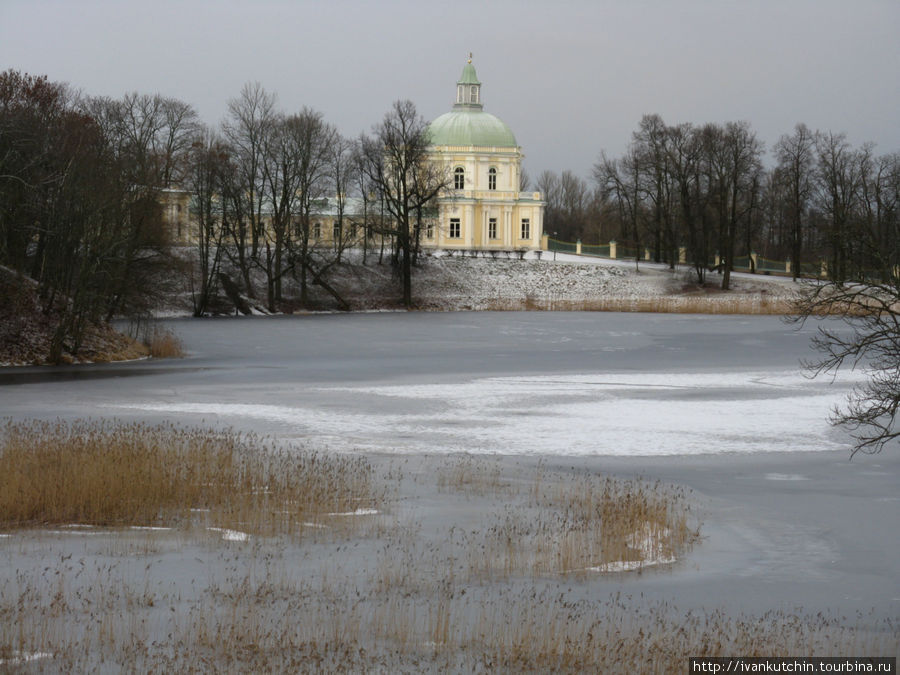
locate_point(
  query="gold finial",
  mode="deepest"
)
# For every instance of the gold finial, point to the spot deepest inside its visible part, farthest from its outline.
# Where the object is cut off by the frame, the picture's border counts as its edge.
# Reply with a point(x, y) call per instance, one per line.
point(470, 57)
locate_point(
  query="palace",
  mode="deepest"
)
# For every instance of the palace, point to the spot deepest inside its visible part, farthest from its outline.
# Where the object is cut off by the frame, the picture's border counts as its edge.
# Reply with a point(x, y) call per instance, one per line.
point(483, 209)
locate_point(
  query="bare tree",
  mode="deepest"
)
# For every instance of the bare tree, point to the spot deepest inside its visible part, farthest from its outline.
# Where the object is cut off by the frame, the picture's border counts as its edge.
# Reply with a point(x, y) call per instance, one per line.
point(619, 182)
point(870, 339)
point(796, 157)
point(280, 193)
point(837, 180)
point(548, 185)
point(206, 178)
point(651, 142)
point(79, 180)
point(366, 189)
point(398, 165)
point(863, 288)
point(250, 119)
point(736, 160)
point(524, 180)
point(341, 174)
point(312, 141)
point(690, 178)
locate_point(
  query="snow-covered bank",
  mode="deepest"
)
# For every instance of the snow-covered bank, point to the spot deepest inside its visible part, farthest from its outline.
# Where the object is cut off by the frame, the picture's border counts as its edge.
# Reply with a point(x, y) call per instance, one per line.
point(550, 281)
point(578, 283)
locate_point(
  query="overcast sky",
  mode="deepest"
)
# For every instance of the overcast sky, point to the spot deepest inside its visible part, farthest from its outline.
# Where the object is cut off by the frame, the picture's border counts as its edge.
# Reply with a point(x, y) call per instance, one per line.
point(570, 78)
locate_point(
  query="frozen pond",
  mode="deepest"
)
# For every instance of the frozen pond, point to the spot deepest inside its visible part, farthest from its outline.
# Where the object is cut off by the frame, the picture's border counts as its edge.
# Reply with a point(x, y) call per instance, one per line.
point(718, 404)
point(497, 383)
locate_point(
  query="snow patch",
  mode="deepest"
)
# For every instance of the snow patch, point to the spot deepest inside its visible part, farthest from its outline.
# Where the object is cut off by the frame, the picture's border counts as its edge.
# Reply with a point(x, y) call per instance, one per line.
point(150, 528)
point(630, 414)
point(25, 657)
point(358, 512)
point(629, 565)
point(230, 535)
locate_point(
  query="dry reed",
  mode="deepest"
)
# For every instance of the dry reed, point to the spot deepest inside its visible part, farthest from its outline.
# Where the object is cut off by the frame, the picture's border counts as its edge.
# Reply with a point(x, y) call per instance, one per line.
point(671, 304)
point(419, 604)
point(262, 609)
point(111, 474)
point(465, 473)
point(163, 344)
point(244, 627)
point(587, 525)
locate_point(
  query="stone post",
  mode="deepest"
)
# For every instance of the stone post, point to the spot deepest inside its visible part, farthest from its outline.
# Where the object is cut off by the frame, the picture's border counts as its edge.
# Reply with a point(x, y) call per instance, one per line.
point(578, 247)
point(612, 250)
point(682, 255)
point(545, 242)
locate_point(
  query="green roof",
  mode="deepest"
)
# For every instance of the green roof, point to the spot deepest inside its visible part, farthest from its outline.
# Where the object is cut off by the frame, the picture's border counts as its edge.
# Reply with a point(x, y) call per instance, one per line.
point(471, 127)
point(468, 75)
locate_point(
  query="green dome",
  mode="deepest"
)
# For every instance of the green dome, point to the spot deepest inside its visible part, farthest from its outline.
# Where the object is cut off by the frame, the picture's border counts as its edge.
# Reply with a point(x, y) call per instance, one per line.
point(468, 75)
point(471, 127)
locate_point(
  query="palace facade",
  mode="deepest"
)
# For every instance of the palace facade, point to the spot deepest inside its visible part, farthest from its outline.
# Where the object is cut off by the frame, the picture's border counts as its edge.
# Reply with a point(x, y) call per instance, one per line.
point(483, 208)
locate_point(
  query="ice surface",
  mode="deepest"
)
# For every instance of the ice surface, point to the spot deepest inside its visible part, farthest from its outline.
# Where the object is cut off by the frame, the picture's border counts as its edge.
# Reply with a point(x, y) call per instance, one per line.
point(588, 414)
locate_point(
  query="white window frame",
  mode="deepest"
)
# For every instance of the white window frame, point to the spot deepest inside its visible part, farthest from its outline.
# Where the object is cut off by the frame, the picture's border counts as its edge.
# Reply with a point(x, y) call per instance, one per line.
point(455, 229)
point(459, 178)
point(525, 230)
point(492, 228)
point(492, 178)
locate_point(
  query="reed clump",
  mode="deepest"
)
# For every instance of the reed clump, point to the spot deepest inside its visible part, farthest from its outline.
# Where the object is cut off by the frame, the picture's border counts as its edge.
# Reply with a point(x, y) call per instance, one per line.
point(471, 475)
point(588, 525)
point(163, 344)
point(114, 474)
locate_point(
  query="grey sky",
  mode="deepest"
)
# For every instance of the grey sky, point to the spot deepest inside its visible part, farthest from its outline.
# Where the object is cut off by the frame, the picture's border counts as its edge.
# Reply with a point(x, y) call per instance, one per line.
point(570, 78)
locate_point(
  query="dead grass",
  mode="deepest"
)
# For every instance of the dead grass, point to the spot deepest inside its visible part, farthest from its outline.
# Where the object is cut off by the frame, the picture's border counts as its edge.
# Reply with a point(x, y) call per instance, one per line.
point(245, 623)
point(587, 525)
point(471, 475)
point(162, 343)
point(110, 474)
point(756, 304)
point(408, 601)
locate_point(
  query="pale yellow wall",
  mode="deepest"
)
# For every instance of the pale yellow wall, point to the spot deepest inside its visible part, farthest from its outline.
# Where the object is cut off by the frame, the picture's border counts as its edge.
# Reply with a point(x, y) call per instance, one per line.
point(473, 206)
point(476, 204)
point(175, 205)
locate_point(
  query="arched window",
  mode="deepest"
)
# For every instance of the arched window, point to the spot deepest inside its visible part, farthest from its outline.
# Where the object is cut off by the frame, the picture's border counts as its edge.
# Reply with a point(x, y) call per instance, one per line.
point(473, 94)
point(459, 178)
point(492, 179)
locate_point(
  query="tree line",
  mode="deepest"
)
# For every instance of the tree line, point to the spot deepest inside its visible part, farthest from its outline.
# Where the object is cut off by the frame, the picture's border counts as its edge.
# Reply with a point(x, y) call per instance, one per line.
point(81, 179)
point(79, 212)
point(259, 180)
point(706, 189)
